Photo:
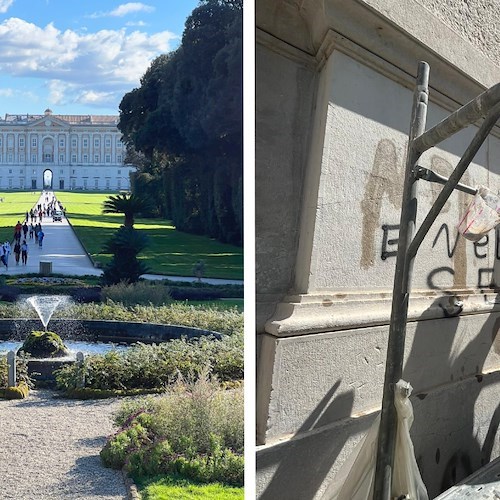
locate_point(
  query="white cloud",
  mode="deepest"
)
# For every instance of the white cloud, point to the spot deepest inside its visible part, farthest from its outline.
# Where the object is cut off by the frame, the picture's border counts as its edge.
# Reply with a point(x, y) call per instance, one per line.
point(79, 66)
point(5, 5)
point(131, 7)
point(124, 10)
point(92, 97)
point(137, 23)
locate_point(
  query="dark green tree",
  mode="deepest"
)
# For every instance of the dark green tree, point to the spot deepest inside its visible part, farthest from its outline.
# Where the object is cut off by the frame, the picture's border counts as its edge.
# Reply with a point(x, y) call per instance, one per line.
point(127, 204)
point(186, 118)
point(125, 245)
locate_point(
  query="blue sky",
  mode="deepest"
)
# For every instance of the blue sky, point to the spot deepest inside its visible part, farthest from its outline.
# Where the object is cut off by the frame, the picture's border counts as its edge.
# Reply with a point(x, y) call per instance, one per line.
point(81, 56)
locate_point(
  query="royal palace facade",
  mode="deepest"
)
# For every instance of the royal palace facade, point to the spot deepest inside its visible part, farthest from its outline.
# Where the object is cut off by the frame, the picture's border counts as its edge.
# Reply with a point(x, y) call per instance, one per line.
point(65, 152)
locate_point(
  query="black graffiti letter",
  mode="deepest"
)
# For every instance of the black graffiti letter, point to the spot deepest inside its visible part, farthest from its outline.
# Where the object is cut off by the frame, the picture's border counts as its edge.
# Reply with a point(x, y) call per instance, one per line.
point(433, 273)
point(386, 241)
point(450, 251)
point(478, 244)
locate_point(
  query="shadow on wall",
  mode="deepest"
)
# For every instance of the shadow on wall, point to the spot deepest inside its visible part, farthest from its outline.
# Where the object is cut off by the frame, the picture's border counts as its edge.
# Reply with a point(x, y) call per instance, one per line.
point(447, 414)
point(307, 458)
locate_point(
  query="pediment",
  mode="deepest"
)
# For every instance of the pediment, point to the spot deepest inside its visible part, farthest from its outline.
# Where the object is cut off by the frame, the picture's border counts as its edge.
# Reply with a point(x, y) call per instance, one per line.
point(48, 122)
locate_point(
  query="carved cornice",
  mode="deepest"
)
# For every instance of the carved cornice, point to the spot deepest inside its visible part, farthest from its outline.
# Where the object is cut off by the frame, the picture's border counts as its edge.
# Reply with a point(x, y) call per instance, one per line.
point(328, 312)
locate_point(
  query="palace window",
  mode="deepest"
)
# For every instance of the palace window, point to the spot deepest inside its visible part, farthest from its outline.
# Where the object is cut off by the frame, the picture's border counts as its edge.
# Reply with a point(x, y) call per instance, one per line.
point(85, 143)
point(108, 142)
point(61, 142)
point(108, 158)
point(21, 142)
point(119, 143)
point(73, 158)
point(61, 158)
point(85, 158)
point(74, 142)
point(33, 159)
point(96, 158)
point(119, 158)
point(33, 142)
point(96, 142)
point(10, 158)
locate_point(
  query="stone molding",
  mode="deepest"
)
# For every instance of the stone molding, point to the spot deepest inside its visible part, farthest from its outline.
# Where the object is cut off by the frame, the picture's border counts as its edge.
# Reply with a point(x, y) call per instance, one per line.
point(316, 312)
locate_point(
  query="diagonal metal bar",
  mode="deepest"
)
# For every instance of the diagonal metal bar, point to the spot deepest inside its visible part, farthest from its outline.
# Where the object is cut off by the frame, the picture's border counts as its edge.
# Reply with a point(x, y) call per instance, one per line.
point(467, 115)
point(468, 156)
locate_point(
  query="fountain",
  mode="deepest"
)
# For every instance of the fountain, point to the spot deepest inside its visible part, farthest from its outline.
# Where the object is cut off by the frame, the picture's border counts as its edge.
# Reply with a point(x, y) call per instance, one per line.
point(45, 305)
point(87, 336)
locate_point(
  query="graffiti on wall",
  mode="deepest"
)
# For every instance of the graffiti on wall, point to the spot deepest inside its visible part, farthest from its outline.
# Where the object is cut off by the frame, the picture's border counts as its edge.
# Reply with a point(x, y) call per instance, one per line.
point(385, 183)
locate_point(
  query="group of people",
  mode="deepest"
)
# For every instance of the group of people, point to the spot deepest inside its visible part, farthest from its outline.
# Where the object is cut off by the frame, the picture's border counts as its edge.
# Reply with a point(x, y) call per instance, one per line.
point(21, 233)
point(20, 252)
point(43, 209)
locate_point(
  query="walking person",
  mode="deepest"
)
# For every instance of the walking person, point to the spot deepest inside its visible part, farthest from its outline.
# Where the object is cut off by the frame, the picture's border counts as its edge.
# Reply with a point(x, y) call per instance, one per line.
point(8, 251)
point(24, 252)
point(3, 257)
point(41, 234)
point(17, 230)
point(32, 231)
point(25, 228)
point(17, 251)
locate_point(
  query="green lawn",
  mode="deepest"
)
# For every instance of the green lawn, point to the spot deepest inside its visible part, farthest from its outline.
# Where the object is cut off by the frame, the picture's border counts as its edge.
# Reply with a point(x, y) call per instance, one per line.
point(12, 208)
point(169, 252)
point(182, 489)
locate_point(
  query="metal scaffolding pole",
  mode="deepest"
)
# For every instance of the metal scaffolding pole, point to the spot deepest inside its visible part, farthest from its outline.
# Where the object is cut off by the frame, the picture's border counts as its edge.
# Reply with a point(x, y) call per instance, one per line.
point(485, 105)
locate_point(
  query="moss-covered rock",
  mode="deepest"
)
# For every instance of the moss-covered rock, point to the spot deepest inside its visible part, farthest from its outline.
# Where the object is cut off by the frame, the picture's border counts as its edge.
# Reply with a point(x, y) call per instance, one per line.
point(41, 344)
point(19, 392)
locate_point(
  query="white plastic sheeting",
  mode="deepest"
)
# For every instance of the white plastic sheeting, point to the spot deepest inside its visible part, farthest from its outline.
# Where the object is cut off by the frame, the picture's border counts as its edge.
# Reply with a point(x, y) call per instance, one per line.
point(481, 216)
point(355, 479)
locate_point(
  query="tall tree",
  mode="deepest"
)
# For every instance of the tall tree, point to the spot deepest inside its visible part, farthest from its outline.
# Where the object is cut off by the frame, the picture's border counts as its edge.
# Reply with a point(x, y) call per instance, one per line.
point(127, 204)
point(186, 118)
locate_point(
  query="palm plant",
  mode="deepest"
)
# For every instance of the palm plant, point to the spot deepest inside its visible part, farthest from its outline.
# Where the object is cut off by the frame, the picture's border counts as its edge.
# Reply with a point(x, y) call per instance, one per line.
point(128, 204)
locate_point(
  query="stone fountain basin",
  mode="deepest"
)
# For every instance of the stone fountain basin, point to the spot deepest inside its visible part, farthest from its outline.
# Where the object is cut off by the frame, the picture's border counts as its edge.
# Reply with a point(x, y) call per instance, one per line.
point(117, 332)
point(104, 330)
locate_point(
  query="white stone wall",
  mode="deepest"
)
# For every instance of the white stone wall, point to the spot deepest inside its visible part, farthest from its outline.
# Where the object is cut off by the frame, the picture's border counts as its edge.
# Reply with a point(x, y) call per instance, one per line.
point(329, 181)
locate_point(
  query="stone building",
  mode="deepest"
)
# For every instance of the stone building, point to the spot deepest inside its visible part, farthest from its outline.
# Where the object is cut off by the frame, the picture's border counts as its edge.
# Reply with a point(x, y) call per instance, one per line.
point(334, 92)
point(83, 152)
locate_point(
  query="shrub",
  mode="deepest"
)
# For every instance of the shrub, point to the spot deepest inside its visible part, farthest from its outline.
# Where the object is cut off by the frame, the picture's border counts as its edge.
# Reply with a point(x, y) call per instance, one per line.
point(192, 293)
point(125, 245)
point(9, 293)
point(196, 430)
point(21, 391)
point(156, 366)
point(142, 292)
point(86, 294)
point(22, 376)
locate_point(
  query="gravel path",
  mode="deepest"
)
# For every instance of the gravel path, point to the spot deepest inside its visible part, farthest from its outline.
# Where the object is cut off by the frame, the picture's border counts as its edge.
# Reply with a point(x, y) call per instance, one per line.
point(50, 449)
